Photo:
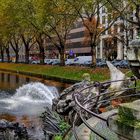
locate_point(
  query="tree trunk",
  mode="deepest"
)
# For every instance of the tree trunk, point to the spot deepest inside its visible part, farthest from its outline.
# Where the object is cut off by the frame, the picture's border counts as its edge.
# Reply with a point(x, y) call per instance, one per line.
point(62, 55)
point(17, 57)
point(8, 54)
point(42, 54)
point(27, 54)
point(93, 54)
point(16, 50)
point(2, 55)
point(41, 49)
point(27, 48)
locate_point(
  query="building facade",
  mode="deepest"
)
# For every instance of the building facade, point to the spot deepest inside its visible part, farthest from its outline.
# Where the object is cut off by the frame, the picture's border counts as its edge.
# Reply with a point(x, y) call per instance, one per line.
point(112, 43)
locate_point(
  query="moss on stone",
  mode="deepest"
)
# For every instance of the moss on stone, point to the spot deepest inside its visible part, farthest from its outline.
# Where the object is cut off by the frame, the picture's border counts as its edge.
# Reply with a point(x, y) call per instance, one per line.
point(129, 111)
point(130, 123)
point(127, 128)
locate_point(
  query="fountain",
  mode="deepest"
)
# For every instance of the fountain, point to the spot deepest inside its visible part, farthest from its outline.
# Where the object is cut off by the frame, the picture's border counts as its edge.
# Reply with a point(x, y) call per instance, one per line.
point(35, 95)
point(26, 105)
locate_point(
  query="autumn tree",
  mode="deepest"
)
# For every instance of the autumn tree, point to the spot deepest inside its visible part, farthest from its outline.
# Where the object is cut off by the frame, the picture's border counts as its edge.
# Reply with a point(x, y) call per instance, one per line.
point(89, 13)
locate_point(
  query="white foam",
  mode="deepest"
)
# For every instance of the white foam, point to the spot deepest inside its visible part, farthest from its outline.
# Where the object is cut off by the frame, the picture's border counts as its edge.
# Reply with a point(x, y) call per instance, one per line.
point(29, 99)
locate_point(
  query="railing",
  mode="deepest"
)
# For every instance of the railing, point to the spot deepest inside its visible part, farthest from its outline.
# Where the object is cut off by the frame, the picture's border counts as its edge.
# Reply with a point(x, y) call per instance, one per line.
point(97, 100)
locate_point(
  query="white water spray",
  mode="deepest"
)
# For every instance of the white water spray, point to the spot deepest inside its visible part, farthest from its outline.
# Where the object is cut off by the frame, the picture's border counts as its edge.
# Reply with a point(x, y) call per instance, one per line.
point(29, 99)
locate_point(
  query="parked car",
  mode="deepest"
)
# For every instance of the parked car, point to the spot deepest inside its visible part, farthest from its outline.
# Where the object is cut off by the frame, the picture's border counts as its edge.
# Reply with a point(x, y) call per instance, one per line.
point(80, 60)
point(121, 64)
point(101, 63)
point(88, 63)
point(69, 62)
point(115, 61)
point(51, 61)
point(35, 62)
point(47, 61)
point(125, 64)
point(98, 60)
point(56, 62)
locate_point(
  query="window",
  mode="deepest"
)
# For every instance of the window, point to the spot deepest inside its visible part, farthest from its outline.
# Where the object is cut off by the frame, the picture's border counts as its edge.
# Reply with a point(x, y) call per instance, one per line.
point(103, 10)
point(79, 24)
point(103, 19)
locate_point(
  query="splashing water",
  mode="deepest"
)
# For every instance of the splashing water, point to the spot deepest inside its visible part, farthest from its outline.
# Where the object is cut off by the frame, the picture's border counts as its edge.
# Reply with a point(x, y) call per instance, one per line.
point(35, 91)
point(30, 99)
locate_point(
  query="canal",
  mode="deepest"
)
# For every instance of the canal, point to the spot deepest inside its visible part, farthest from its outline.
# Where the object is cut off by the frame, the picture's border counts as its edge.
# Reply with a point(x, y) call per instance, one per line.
point(24, 98)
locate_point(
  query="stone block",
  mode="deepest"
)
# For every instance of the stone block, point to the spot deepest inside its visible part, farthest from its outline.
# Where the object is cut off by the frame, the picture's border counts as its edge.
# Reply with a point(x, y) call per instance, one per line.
point(129, 129)
point(130, 111)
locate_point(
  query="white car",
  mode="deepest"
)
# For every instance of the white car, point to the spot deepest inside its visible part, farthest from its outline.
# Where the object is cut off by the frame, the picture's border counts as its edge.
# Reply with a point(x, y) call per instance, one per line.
point(56, 62)
point(35, 62)
point(80, 60)
point(69, 62)
point(47, 61)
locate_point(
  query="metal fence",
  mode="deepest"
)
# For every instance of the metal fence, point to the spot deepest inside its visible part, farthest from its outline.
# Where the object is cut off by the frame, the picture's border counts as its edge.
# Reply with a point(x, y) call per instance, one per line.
point(88, 104)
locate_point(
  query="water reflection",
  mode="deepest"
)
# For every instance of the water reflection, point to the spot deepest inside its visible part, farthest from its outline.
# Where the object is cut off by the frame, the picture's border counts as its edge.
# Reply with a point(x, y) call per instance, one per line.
point(11, 81)
point(26, 103)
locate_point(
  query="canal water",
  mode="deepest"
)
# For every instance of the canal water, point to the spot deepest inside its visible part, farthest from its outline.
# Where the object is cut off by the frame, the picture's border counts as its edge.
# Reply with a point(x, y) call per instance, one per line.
point(24, 98)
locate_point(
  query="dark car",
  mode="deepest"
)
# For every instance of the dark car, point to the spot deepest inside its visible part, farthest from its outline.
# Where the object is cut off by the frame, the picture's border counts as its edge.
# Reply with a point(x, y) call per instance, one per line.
point(87, 63)
point(101, 63)
point(52, 61)
point(121, 64)
point(115, 61)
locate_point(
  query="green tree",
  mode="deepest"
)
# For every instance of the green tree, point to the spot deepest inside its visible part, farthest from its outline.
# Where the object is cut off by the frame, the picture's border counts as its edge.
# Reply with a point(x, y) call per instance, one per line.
point(10, 24)
point(15, 27)
point(53, 19)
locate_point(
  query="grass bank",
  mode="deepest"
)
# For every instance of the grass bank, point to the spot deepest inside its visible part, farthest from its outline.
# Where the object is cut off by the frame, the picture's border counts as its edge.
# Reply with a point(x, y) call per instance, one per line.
point(67, 73)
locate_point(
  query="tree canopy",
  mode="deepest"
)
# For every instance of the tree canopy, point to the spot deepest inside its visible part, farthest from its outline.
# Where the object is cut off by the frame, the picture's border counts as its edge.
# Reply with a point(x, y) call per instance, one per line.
point(24, 23)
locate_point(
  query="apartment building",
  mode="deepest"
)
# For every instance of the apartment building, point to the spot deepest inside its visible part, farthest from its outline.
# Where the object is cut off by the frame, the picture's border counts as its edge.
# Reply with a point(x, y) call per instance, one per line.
point(109, 46)
point(112, 43)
